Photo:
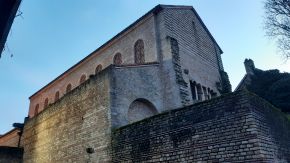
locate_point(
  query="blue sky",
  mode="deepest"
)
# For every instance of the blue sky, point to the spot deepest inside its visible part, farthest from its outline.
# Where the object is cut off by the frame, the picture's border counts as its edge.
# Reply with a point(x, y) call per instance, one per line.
point(54, 35)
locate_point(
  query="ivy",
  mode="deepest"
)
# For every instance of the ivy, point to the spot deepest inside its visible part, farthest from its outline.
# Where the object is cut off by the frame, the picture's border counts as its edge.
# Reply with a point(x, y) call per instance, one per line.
point(272, 86)
point(225, 85)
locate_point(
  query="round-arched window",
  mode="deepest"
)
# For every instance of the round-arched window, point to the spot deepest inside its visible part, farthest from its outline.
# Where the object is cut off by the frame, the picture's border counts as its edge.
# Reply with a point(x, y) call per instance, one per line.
point(68, 88)
point(98, 68)
point(45, 103)
point(36, 110)
point(139, 54)
point(117, 60)
point(83, 78)
point(56, 97)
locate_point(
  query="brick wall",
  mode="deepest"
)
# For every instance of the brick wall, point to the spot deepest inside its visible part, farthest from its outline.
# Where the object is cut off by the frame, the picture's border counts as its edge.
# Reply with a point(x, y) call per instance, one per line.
point(231, 128)
point(11, 155)
point(273, 131)
point(64, 131)
point(10, 139)
point(237, 127)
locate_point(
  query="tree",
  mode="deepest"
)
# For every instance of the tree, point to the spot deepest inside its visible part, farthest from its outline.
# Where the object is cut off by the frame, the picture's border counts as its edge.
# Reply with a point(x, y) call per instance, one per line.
point(272, 86)
point(277, 24)
point(279, 93)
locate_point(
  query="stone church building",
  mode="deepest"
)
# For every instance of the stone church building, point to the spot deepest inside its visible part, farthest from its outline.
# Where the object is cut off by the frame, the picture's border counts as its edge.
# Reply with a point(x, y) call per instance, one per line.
point(152, 94)
point(165, 60)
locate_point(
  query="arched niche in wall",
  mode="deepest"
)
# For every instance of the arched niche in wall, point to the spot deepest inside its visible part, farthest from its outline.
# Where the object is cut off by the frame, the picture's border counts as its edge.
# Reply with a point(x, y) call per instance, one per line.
point(68, 88)
point(117, 60)
point(45, 103)
point(36, 110)
point(199, 92)
point(140, 109)
point(98, 68)
point(83, 78)
point(56, 97)
point(139, 54)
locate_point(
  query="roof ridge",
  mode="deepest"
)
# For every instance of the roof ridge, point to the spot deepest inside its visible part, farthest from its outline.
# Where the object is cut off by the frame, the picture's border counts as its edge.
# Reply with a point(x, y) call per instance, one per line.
point(174, 6)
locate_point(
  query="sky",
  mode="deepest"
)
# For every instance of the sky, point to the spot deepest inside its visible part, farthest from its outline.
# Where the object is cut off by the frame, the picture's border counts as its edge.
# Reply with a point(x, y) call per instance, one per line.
point(51, 36)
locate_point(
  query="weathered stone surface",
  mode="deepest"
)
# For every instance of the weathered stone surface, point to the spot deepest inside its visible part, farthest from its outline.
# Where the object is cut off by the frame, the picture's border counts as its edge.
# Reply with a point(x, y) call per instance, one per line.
point(220, 130)
point(130, 83)
point(64, 131)
point(197, 50)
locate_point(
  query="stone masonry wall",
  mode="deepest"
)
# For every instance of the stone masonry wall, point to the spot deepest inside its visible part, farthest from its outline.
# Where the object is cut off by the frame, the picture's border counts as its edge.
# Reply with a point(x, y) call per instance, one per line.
point(273, 131)
point(11, 155)
point(199, 55)
point(183, 86)
point(134, 82)
point(64, 131)
point(171, 90)
point(223, 129)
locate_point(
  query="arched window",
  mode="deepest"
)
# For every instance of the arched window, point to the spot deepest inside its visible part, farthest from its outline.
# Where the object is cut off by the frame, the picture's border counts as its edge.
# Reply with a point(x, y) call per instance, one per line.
point(213, 94)
point(208, 91)
point(199, 92)
point(117, 60)
point(36, 110)
point(56, 97)
point(68, 88)
point(139, 55)
point(193, 90)
point(98, 68)
point(83, 78)
point(140, 109)
point(205, 93)
point(45, 103)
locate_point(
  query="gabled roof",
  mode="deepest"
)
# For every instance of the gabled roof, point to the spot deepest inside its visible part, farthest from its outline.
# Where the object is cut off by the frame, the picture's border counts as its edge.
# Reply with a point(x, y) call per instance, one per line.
point(242, 83)
point(154, 11)
point(9, 132)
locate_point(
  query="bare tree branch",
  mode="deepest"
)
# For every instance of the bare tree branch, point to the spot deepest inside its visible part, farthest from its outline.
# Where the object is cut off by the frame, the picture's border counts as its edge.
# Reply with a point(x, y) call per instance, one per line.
point(277, 24)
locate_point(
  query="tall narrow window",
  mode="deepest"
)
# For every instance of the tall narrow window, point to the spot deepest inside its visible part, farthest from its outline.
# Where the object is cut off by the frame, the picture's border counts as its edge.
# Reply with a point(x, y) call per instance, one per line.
point(139, 54)
point(209, 95)
point(98, 68)
point(205, 93)
point(45, 103)
point(199, 92)
point(83, 78)
point(213, 94)
point(194, 26)
point(36, 110)
point(117, 59)
point(193, 90)
point(68, 88)
point(56, 97)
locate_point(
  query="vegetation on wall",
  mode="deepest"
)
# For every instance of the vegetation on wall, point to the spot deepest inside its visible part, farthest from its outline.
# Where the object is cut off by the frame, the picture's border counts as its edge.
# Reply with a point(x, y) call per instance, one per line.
point(225, 85)
point(288, 116)
point(272, 86)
